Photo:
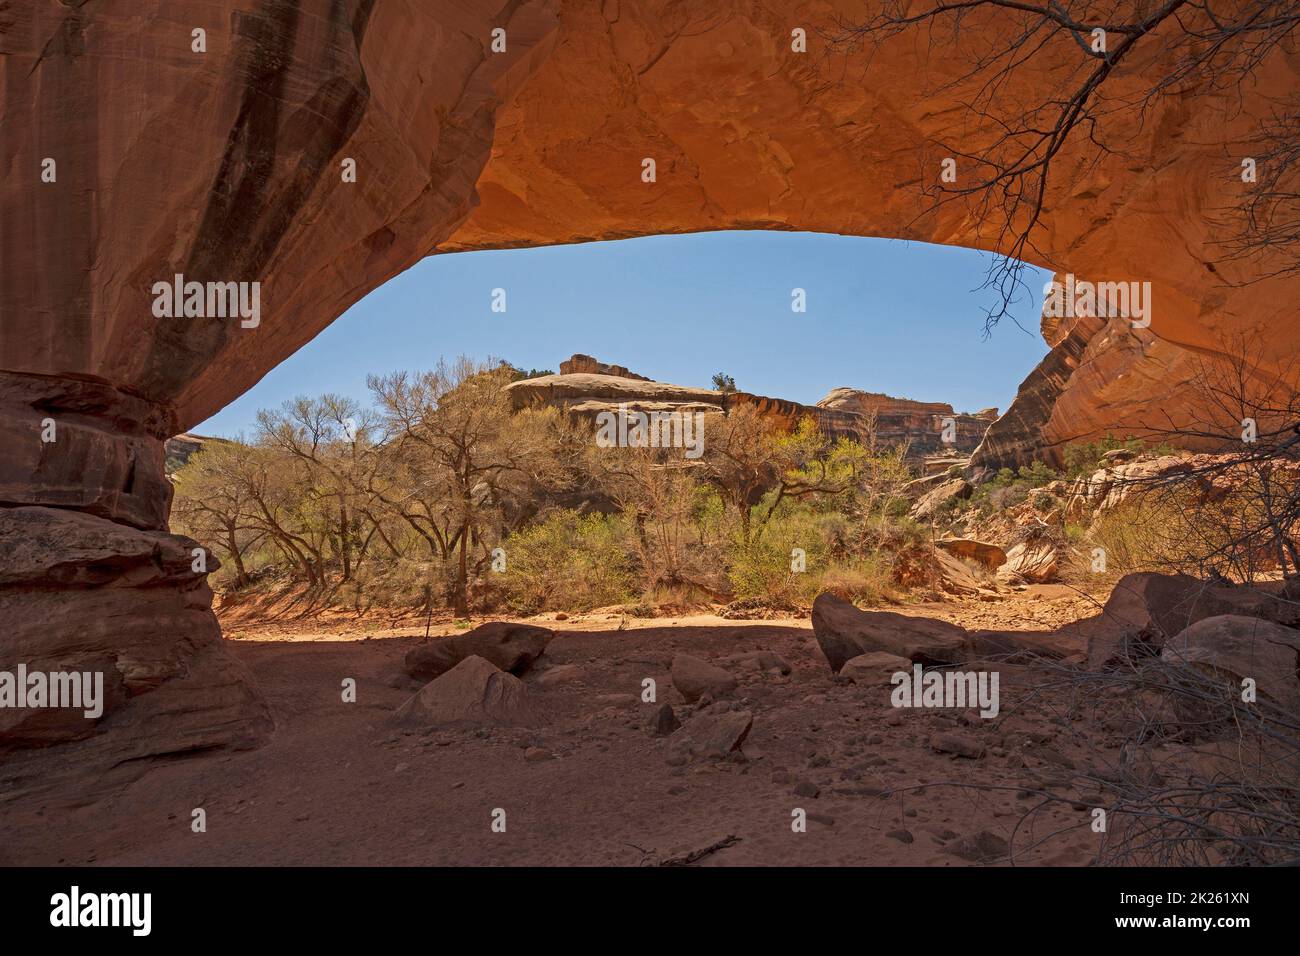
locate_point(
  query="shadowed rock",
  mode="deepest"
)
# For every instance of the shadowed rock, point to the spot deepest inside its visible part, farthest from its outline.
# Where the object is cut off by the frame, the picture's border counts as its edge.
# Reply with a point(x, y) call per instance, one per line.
point(877, 667)
point(1236, 647)
point(1146, 609)
point(82, 593)
point(844, 632)
point(694, 678)
point(713, 735)
point(510, 647)
point(472, 692)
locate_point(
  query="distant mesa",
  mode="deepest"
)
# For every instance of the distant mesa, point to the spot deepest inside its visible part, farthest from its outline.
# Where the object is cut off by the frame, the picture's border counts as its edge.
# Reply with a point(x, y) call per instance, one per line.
point(586, 386)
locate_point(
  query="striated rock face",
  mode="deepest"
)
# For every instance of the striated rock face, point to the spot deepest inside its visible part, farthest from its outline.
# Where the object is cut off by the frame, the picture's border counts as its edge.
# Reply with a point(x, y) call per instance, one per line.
point(131, 158)
point(921, 424)
point(80, 593)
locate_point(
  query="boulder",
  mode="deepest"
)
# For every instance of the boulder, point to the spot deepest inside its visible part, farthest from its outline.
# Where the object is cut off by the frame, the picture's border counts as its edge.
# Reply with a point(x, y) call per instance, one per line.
point(511, 647)
point(874, 668)
point(766, 661)
point(954, 576)
point(474, 692)
point(1033, 561)
point(968, 549)
point(934, 500)
point(694, 678)
point(843, 632)
point(713, 735)
point(1237, 647)
point(1146, 609)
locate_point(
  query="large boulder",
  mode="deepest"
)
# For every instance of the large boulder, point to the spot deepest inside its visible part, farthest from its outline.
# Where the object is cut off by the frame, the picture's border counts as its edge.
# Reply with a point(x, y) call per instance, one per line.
point(935, 500)
point(954, 576)
point(474, 692)
point(1236, 647)
point(1146, 609)
point(511, 647)
point(1033, 561)
point(968, 549)
point(844, 632)
point(694, 678)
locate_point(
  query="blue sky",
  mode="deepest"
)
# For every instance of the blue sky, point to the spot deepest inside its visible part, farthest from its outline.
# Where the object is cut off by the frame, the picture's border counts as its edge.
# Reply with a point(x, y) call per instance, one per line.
point(883, 315)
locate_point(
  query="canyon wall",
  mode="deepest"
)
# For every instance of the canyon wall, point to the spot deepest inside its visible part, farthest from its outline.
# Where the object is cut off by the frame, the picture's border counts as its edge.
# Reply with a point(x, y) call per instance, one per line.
point(320, 147)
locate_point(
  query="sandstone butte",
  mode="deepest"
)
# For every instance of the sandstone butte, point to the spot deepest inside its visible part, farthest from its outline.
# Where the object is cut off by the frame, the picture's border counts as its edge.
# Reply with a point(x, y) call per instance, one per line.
point(586, 386)
point(226, 166)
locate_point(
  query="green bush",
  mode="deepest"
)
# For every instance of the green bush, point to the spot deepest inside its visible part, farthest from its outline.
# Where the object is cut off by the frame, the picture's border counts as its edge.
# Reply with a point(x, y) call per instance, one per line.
point(568, 562)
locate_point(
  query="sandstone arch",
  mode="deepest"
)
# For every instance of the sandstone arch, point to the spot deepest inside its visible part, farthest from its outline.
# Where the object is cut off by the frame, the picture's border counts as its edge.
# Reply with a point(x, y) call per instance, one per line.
point(225, 166)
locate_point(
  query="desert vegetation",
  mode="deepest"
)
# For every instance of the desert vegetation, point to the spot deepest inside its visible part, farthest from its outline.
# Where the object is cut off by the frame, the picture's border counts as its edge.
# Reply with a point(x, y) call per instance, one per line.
point(441, 494)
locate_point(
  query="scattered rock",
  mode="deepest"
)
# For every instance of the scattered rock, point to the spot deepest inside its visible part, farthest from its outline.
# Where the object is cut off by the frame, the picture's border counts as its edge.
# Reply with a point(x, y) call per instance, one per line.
point(902, 836)
point(843, 632)
point(507, 646)
point(982, 847)
point(472, 692)
point(873, 668)
point(957, 744)
point(806, 788)
point(713, 735)
point(765, 661)
point(663, 721)
point(695, 678)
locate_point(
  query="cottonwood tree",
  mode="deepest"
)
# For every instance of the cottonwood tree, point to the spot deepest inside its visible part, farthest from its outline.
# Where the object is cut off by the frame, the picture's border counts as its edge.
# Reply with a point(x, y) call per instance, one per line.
point(455, 429)
point(213, 505)
point(330, 439)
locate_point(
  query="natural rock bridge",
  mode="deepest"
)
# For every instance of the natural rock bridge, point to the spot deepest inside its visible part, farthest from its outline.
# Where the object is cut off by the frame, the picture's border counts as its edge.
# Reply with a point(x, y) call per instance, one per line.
point(130, 157)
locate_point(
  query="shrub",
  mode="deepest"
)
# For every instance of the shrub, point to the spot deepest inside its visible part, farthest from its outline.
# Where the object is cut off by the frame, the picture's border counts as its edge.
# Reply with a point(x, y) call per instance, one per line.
point(570, 562)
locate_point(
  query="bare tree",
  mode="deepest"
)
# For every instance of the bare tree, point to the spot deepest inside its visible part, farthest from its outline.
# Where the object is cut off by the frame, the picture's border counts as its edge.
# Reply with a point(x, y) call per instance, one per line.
point(454, 427)
point(1089, 61)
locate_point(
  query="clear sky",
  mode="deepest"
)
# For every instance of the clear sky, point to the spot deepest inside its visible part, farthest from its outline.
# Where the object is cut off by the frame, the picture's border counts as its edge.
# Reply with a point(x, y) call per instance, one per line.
point(883, 315)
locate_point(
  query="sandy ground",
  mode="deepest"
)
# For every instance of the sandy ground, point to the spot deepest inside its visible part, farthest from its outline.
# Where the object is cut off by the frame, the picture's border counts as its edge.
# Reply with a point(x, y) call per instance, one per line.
point(337, 784)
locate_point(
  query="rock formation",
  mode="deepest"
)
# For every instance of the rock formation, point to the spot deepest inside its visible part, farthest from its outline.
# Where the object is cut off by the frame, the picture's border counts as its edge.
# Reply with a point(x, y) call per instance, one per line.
point(920, 424)
point(318, 148)
point(587, 387)
point(579, 364)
